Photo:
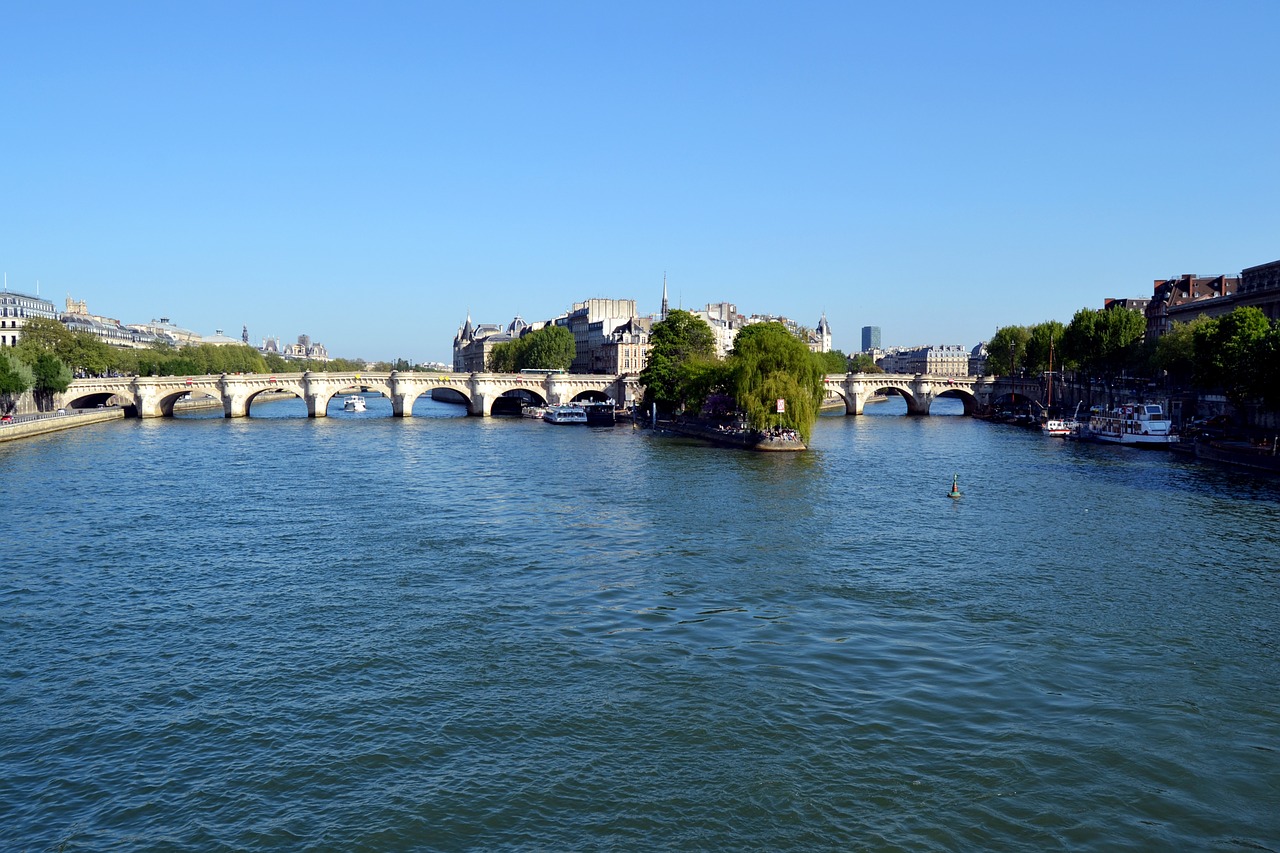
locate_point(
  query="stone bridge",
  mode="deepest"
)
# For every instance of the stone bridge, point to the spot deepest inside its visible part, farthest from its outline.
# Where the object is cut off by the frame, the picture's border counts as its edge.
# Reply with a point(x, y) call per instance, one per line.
point(155, 396)
point(919, 390)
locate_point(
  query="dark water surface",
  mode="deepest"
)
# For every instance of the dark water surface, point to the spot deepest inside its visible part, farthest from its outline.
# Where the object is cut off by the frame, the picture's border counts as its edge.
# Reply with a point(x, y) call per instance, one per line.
point(364, 633)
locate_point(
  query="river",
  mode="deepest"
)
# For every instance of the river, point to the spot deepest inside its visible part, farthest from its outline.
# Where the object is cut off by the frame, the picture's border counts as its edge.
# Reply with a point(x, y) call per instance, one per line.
point(449, 633)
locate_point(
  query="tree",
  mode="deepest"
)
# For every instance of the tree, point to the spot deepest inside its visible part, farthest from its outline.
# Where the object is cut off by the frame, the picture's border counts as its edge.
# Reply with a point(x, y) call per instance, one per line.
point(1175, 352)
point(1235, 353)
point(549, 348)
point(1106, 342)
point(834, 361)
point(1006, 351)
point(864, 363)
point(1044, 345)
point(50, 376)
point(679, 347)
point(15, 378)
point(768, 364)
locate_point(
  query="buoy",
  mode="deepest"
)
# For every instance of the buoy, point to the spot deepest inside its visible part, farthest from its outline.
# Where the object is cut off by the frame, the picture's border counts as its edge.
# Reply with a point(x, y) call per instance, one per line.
point(955, 487)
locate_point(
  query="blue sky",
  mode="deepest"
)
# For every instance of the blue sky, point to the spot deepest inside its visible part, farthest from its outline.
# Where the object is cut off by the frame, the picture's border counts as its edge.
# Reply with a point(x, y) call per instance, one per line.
point(368, 173)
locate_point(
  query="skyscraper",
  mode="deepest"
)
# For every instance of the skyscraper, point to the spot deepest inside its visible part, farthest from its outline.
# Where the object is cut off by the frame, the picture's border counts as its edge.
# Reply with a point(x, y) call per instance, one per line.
point(870, 338)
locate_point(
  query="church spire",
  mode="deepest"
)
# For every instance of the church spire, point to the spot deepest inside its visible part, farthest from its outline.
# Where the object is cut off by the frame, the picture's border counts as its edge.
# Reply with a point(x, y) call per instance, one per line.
point(664, 295)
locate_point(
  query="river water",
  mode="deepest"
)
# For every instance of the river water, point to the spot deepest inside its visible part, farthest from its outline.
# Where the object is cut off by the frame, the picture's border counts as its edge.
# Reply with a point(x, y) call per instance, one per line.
point(367, 633)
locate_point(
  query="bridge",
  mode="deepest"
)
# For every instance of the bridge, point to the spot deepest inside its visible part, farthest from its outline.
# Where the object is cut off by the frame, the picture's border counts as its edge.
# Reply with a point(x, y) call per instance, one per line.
point(155, 396)
point(919, 390)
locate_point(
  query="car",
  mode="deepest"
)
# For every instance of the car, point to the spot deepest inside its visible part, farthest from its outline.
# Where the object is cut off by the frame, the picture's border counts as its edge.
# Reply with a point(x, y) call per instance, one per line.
point(62, 411)
point(6, 419)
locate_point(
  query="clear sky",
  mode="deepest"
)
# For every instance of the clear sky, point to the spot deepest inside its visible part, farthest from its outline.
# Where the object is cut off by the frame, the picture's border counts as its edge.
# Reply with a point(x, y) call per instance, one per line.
point(367, 173)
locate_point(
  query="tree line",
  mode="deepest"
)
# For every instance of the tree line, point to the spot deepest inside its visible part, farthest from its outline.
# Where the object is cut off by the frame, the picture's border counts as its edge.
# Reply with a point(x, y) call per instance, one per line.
point(1237, 354)
point(48, 356)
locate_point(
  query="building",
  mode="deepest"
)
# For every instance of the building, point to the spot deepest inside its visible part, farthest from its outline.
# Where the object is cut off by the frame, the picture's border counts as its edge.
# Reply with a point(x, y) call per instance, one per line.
point(725, 321)
point(106, 329)
point(627, 348)
point(16, 309)
point(1260, 288)
point(592, 324)
point(163, 331)
point(942, 360)
point(473, 344)
point(304, 350)
point(817, 340)
point(870, 338)
point(1184, 298)
point(978, 360)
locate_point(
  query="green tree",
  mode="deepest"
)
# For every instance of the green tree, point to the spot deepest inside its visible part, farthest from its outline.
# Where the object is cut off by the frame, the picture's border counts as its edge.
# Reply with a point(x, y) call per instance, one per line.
point(679, 349)
point(1106, 342)
point(1234, 353)
point(40, 334)
point(50, 376)
point(864, 363)
point(15, 378)
point(768, 364)
point(1044, 345)
point(834, 361)
point(549, 348)
point(1175, 352)
point(1007, 349)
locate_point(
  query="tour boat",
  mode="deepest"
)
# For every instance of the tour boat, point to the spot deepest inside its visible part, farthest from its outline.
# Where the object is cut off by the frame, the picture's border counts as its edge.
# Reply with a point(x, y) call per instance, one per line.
point(565, 415)
point(353, 403)
point(600, 414)
point(1136, 424)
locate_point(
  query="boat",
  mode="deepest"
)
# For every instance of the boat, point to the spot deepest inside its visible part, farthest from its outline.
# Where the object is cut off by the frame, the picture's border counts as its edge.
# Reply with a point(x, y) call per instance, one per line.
point(600, 414)
point(1241, 454)
point(535, 412)
point(1059, 427)
point(353, 403)
point(570, 414)
point(1135, 424)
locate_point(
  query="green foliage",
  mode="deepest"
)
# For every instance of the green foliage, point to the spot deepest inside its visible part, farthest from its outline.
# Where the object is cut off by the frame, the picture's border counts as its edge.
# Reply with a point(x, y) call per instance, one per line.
point(1175, 352)
point(1236, 353)
point(864, 363)
point(832, 362)
point(549, 348)
point(16, 376)
point(50, 374)
point(768, 363)
point(1006, 351)
point(40, 334)
point(1106, 342)
point(681, 352)
point(1044, 345)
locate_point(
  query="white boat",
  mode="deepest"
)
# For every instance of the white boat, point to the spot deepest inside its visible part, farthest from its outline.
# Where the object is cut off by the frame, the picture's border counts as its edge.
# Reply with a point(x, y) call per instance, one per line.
point(1059, 427)
point(353, 403)
point(1137, 424)
point(565, 415)
point(535, 412)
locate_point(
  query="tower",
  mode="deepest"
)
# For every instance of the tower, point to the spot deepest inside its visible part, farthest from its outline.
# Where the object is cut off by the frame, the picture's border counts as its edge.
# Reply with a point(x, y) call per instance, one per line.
point(664, 297)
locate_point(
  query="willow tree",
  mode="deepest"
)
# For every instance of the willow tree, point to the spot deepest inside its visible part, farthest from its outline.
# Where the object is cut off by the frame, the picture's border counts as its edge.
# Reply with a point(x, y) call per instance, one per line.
point(769, 364)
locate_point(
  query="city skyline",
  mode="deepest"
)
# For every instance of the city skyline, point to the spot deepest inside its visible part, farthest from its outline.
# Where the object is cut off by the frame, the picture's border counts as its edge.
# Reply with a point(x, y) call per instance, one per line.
point(371, 177)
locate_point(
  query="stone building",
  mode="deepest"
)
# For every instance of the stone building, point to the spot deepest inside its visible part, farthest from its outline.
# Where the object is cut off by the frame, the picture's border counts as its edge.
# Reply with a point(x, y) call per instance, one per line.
point(1260, 288)
point(592, 324)
point(473, 344)
point(16, 309)
point(941, 360)
point(626, 350)
point(1186, 297)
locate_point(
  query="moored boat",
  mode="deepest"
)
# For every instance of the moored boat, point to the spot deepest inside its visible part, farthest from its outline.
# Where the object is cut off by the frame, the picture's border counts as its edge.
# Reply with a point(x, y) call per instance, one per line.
point(353, 403)
point(600, 414)
point(1059, 427)
point(570, 414)
point(1135, 424)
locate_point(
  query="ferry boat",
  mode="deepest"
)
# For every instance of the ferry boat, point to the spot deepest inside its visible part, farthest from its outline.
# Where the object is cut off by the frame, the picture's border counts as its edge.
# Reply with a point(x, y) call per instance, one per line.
point(600, 414)
point(1137, 424)
point(565, 415)
point(353, 403)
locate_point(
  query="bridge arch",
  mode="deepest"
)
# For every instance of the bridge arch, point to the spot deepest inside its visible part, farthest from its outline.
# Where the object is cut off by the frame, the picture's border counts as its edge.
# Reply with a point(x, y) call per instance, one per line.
point(274, 389)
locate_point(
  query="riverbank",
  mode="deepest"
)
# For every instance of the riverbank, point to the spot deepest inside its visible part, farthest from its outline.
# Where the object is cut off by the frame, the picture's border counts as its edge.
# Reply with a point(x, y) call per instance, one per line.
point(786, 442)
point(30, 426)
